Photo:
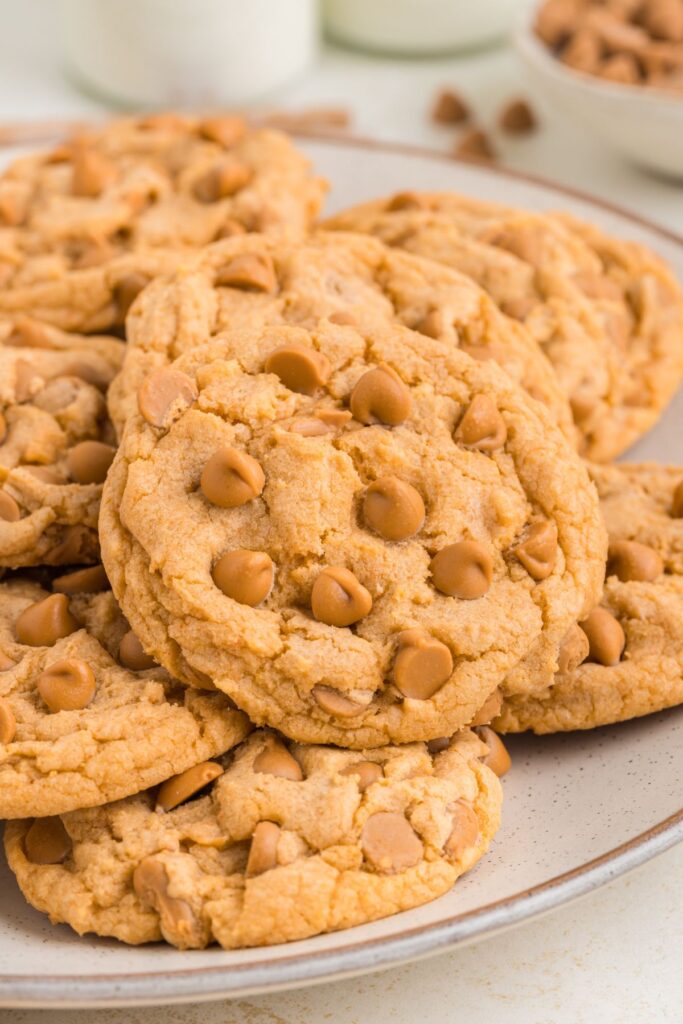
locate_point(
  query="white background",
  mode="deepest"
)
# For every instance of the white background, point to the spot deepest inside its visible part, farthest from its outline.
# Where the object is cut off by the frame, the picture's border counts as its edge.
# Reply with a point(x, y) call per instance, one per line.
point(614, 957)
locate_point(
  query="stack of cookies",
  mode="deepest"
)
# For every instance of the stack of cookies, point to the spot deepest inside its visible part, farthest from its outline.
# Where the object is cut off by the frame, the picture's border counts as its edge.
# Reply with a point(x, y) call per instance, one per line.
point(294, 520)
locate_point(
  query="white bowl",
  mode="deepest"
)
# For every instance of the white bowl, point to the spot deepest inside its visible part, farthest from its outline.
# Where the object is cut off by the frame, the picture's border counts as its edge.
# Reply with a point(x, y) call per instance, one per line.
point(643, 124)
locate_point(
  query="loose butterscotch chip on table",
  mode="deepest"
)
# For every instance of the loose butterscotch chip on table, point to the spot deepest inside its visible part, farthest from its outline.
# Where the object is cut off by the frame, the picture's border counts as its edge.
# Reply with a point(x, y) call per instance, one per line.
point(214, 854)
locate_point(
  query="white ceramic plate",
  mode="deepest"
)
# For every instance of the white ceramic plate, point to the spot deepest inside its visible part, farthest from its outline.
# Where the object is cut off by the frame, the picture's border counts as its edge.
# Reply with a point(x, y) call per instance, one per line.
point(580, 809)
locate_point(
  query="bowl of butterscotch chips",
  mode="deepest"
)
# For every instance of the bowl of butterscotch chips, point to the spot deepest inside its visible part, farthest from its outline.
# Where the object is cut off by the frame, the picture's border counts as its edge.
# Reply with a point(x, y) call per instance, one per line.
point(616, 66)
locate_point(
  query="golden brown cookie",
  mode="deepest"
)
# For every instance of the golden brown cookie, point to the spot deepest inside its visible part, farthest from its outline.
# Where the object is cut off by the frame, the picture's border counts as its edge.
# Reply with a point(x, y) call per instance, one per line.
point(56, 441)
point(356, 533)
point(608, 314)
point(344, 278)
point(85, 225)
point(288, 843)
point(626, 658)
point(85, 717)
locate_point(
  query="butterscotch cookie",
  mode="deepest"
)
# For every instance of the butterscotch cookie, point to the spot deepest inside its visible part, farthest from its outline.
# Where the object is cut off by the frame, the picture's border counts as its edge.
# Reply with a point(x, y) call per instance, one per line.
point(608, 314)
point(56, 441)
point(356, 533)
point(345, 278)
point(288, 843)
point(626, 658)
point(82, 225)
point(80, 723)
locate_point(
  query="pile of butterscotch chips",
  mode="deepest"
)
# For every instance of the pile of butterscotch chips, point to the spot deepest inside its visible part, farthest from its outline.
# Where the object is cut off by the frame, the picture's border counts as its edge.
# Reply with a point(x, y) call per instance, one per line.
point(297, 517)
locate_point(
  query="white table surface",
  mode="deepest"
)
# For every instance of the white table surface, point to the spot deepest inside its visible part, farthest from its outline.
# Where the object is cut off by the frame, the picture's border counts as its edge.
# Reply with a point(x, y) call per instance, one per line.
point(614, 956)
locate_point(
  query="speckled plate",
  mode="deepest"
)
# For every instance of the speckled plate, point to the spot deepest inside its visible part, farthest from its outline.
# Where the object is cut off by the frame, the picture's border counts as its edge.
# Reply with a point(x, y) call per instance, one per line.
point(580, 809)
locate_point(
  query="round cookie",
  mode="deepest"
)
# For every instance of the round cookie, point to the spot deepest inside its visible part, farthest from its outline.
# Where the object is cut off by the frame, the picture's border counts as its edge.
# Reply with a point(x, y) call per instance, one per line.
point(80, 727)
point(56, 441)
point(288, 843)
point(381, 528)
point(608, 314)
point(626, 658)
point(139, 184)
point(346, 278)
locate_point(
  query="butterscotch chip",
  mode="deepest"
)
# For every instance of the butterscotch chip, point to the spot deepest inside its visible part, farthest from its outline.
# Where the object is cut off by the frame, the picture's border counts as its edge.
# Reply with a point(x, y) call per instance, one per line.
point(335, 703)
point(310, 426)
point(8, 723)
point(230, 228)
point(92, 173)
point(132, 654)
point(475, 144)
point(226, 129)
point(380, 396)
point(422, 665)
point(45, 473)
point(92, 580)
point(343, 318)
point(226, 178)
point(405, 201)
point(67, 685)
point(389, 843)
point(630, 560)
point(489, 709)
point(584, 51)
point(164, 395)
point(338, 598)
point(349, 844)
point(44, 623)
point(9, 510)
point(555, 21)
point(6, 663)
point(465, 831)
point(89, 462)
point(663, 19)
point(151, 885)
point(3, 428)
point(254, 273)
point(462, 570)
point(276, 760)
point(450, 108)
point(622, 67)
point(181, 787)
point(28, 332)
point(231, 478)
point(438, 745)
point(481, 427)
point(300, 369)
point(263, 849)
point(367, 773)
point(47, 842)
point(497, 758)
point(537, 551)
point(606, 639)
point(574, 650)
point(517, 117)
point(393, 508)
point(126, 291)
point(245, 576)
point(677, 502)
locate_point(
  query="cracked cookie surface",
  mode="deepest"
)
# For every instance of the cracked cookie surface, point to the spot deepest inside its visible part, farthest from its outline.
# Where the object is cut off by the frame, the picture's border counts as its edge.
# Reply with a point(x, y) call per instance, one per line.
point(347, 278)
point(633, 664)
point(56, 441)
point(289, 843)
point(382, 530)
point(608, 314)
point(78, 725)
point(80, 223)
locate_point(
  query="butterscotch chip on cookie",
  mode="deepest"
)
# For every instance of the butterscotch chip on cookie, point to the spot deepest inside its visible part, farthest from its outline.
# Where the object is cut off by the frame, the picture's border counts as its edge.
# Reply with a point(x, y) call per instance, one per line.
point(80, 723)
point(607, 314)
point(359, 555)
point(113, 206)
point(56, 442)
point(289, 842)
point(626, 658)
point(346, 278)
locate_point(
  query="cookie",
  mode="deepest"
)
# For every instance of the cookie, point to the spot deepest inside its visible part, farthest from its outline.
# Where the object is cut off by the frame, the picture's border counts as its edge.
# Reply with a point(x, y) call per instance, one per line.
point(137, 185)
point(626, 658)
point(56, 441)
point(608, 314)
point(356, 533)
point(258, 280)
point(288, 843)
point(80, 727)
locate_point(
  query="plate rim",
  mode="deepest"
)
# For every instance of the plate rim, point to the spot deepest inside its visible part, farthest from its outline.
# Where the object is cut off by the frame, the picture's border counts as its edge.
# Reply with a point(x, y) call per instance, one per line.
point(203, 984)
